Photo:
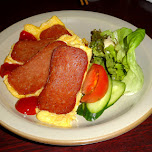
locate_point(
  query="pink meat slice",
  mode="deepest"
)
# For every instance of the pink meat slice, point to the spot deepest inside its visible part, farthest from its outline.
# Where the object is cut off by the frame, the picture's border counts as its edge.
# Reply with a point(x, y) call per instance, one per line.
point(24, 50)
point(67, 69)
point(32, 76)
point(54, 32)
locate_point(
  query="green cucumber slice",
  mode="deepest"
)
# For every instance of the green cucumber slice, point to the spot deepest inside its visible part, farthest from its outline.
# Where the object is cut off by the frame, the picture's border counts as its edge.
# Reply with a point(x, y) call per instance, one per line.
point(100, 104)
point(91, 111)
point(118, 89)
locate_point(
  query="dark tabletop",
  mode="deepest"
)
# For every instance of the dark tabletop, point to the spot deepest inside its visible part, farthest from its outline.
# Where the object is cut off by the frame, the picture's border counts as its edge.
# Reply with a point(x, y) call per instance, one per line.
point(138, 13)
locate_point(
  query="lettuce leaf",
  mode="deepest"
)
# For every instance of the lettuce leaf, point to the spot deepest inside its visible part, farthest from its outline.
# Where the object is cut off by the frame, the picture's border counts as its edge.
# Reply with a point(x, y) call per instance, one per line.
point(134, 79)
point(119, 35)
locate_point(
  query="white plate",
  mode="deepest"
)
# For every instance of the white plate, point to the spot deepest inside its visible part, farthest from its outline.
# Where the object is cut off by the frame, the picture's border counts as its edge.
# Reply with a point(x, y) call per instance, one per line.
point(126, 114)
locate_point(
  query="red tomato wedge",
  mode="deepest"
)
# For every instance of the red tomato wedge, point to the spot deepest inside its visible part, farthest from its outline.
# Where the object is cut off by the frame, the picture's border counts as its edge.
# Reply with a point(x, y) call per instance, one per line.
point(90, 81)
point(95, 85)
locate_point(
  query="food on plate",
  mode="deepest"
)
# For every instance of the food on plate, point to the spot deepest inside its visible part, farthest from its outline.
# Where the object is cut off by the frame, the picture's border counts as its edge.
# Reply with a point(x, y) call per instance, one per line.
point(56, 75)
point(115, 51)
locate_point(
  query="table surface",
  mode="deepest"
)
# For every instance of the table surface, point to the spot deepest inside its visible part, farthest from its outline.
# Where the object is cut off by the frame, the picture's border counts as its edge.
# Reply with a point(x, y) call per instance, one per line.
point(138, 13)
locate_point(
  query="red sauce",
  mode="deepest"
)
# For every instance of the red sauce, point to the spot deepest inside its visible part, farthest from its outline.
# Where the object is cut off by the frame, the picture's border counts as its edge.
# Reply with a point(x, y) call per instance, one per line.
point(27, 105)
point(26, 36)
point(6, 68)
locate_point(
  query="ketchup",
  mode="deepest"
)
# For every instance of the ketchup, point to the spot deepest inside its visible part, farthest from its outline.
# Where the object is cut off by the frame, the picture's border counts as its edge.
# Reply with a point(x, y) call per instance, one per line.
point(6, 68)
point(27, 105)
point(26, 36)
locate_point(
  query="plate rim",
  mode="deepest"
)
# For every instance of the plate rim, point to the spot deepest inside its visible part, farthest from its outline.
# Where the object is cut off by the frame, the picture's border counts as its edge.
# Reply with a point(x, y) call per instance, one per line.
point(74, 142)
point(78, 142)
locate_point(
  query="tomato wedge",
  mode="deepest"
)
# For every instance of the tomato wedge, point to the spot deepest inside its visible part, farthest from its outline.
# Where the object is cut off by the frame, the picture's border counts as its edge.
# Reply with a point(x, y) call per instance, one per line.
point(95, 85)
point(90, 81)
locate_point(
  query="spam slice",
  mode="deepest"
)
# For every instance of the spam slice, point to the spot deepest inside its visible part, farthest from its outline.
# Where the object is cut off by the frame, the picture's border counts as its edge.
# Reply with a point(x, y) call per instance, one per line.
point(24, 50)
point(67, 69)
point(32, 76)
point(54, 32)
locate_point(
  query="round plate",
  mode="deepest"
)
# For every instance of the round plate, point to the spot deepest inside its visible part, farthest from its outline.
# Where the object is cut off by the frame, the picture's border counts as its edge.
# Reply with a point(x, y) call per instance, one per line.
point(125, 114)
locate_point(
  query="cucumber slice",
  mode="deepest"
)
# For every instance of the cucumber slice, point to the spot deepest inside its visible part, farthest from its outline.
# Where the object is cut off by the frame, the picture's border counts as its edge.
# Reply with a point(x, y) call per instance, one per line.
point(100, 104)
point(91, 111)
point(118, 89)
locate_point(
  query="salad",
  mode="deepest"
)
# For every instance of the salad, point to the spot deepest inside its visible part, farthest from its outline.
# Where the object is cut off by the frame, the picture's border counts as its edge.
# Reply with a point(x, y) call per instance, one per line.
point(113, 61)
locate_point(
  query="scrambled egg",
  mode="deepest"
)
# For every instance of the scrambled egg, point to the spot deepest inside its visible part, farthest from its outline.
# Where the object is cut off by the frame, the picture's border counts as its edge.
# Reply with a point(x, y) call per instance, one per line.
point(65, 120)
point(36, 31)
point(62, 120)
point(9, 59)
point(15, 93)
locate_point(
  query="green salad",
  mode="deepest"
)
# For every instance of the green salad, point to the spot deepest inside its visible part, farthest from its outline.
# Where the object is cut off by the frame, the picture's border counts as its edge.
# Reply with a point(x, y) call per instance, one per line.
point(115, 51)
point(119, 57)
